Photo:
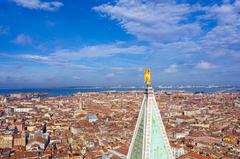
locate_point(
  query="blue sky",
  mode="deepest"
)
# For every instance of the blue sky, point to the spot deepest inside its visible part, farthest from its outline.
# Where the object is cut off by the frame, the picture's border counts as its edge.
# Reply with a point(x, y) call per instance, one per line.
point(46, 43)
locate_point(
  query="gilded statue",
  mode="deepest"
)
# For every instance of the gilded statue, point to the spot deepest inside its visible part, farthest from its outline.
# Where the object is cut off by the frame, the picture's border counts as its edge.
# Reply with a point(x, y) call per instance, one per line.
point(147, 76)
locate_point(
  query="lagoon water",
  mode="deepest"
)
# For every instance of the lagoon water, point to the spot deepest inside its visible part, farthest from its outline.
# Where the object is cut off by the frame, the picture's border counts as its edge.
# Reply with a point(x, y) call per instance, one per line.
point(71, 90)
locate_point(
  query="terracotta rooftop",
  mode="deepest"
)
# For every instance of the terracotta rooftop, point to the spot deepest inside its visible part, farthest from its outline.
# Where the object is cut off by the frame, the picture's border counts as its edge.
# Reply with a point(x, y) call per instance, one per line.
point(192, 155)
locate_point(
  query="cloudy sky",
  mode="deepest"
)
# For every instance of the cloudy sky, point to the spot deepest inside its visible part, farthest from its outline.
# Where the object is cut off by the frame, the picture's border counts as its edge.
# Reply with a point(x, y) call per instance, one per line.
point(46, 43)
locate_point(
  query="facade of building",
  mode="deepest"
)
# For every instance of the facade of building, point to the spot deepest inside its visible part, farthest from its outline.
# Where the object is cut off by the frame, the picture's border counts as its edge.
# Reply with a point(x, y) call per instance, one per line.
point(19, 140)
point(177, 151)
point(6, 141)
point(92, 117)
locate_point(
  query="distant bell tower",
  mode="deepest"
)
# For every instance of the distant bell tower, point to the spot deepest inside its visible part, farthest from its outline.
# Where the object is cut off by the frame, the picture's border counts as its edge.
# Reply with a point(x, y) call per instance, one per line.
point(80, 105)
point(149, 139)
point(80, 110)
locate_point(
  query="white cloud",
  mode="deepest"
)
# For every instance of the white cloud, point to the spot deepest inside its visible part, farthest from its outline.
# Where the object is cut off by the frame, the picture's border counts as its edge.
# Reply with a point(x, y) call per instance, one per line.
point(50, 23)
point(174, 27)
point(71, 58)
point(171, 69)
point(110, 75)
point(38, 4)
point(226, 13)
point(124, 69)
point(205, 65)
point(55, 62)
point(153, 21)
point(76, 78)
point(223, 39)
point(35, 57)
point(3, 30)
point(97, 51)
point(23, 39)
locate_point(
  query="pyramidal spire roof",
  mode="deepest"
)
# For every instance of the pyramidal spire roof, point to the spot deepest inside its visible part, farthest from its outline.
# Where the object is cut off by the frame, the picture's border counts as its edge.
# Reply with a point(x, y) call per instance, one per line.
point(149, 139)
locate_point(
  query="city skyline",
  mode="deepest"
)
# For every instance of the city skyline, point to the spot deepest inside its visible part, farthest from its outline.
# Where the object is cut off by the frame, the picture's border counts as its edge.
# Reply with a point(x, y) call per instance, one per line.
point(68, 43)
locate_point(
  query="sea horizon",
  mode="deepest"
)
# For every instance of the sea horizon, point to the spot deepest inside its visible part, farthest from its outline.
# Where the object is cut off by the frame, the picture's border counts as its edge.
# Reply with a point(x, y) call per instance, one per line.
point(63, 91)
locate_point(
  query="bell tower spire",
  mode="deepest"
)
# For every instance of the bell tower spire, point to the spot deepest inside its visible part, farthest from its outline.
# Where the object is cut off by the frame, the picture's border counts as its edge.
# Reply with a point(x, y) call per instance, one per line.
point(149, 139)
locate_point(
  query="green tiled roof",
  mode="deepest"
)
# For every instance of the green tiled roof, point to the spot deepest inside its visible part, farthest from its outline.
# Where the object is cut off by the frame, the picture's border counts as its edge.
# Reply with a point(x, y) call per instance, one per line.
point(138, 143)
point(150, 140)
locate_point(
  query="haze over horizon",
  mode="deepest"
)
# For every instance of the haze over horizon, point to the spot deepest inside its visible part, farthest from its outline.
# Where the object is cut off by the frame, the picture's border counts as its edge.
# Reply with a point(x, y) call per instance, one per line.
point(46, 43)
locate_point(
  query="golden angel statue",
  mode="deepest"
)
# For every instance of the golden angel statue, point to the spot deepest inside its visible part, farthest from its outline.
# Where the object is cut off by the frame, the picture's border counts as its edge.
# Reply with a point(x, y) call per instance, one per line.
point(147, 76)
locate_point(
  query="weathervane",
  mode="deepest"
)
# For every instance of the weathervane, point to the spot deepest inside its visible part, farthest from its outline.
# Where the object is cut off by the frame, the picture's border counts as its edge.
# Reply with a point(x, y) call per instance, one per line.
point(147, 76)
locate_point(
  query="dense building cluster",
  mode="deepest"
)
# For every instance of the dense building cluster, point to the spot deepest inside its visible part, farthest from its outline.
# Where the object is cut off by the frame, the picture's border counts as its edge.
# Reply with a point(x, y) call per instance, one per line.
point(100, 125)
